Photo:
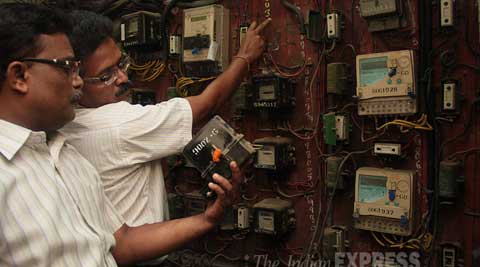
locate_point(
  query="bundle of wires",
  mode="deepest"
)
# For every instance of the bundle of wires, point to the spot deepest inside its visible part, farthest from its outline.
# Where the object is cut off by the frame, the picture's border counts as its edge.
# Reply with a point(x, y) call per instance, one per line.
point(149, 71)
point(187, 86)
point(421, 242)
point(420, 124)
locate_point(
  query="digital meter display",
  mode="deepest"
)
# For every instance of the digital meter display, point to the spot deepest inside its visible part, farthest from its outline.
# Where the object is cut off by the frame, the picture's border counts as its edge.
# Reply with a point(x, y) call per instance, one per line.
point(266, 156)
point(372, 188)
point(132, 27)
point(373, 70)
point(266, 221)
point(267, 92)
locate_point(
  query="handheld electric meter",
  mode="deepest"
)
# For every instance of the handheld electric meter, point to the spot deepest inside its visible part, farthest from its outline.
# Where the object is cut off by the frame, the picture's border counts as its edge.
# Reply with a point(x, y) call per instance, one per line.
point(386, 83)
point(206, 36)
point(383, 200)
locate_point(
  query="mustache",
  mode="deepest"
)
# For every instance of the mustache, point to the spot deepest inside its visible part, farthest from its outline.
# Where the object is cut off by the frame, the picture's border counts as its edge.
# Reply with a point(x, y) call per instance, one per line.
point(77, 94)
point(123, 88)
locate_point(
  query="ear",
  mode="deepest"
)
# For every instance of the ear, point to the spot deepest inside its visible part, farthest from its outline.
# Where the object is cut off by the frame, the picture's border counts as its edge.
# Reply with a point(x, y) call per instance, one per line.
point(17, 75)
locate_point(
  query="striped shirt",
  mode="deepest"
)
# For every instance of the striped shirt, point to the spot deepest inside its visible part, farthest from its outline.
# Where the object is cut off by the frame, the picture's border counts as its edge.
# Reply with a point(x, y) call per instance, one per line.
point(54, 211)
point(125, 144)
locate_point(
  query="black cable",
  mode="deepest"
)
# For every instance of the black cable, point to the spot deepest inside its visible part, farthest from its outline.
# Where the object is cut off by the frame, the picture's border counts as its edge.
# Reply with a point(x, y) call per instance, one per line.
point(330, 201)
point(298, 13)
point(163, 26)
point(467, 28)
point(465, 129)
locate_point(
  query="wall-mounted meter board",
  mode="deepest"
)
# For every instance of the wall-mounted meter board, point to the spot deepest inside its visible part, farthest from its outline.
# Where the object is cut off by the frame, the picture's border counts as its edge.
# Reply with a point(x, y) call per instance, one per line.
point(206, 35)
point(383, 200)
point(386, 83)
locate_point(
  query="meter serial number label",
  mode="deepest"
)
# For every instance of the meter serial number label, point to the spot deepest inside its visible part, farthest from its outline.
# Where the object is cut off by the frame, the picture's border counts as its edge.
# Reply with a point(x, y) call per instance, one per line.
point(381, 211)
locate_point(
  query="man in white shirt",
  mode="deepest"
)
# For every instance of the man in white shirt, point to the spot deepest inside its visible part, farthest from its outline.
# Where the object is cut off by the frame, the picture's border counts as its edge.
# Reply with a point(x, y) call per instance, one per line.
point(126, 142)
point(54, 211)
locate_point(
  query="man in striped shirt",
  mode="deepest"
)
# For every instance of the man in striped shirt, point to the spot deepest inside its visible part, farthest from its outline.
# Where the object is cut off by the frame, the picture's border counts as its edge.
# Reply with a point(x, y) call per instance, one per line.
point(54, 211)
point(126, 142)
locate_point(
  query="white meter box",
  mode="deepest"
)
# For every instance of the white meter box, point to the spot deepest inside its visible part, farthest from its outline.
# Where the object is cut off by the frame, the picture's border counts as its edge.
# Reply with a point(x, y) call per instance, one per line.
point(386, 83)
point(384, 200)
point(206, 35)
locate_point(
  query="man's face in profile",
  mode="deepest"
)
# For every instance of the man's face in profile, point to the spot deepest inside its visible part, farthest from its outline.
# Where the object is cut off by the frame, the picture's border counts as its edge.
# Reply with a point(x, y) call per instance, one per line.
point(53, 88)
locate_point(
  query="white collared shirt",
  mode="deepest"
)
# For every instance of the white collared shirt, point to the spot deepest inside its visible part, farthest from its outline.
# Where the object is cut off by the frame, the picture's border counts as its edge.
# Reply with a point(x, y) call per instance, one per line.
point(54, 211)
point(125, 144)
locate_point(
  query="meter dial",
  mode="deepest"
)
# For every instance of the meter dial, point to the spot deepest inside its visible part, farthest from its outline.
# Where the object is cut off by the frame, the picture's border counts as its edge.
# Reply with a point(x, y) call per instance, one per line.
point(403, 61)
point(403, 186)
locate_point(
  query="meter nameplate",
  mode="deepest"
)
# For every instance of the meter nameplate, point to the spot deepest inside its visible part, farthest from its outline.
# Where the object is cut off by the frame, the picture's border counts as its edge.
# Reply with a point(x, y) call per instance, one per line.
point(380, 210)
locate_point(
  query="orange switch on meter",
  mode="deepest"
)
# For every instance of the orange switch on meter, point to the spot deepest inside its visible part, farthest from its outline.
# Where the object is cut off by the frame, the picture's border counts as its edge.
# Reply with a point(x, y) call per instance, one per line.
point(217, 153)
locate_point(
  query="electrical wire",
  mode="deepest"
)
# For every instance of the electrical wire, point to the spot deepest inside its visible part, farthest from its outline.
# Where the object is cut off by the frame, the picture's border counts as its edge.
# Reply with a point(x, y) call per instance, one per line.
point(330, 201)
point(286, 74)
point(184, 84)
point(464, 152)
point(149, 71)
point(298, 13)
point(420, 124)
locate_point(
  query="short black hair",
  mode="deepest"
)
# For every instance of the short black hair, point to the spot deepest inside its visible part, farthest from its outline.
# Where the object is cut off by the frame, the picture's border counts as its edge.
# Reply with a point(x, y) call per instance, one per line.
point(20, 27)
point(89, 31)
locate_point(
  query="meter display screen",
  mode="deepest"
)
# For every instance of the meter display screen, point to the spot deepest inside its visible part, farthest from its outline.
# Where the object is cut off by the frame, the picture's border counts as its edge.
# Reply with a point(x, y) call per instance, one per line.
point(373, 70)
point(266, 156)
point(266, 221)
point(266, 92)
point(132, 27)
point(372, 188)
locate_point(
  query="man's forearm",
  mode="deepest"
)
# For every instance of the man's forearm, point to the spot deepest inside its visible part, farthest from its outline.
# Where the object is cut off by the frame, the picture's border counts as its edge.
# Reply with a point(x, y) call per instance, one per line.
point(219, 91)
point(150, 241)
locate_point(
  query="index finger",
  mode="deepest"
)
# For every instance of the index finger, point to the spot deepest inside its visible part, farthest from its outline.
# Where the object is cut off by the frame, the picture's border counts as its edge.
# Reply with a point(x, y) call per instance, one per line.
point(263, 25)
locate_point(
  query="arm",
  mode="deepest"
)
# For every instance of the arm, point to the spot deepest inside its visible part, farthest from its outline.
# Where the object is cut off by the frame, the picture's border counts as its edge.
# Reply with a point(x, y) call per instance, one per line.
point(218, 92)
point(153, 240)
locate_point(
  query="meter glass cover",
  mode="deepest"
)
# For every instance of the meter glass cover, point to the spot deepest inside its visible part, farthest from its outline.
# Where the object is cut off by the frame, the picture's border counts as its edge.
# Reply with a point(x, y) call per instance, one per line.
point(266, 92)
point(373, 70)
point(372, 188)
point(266, 156)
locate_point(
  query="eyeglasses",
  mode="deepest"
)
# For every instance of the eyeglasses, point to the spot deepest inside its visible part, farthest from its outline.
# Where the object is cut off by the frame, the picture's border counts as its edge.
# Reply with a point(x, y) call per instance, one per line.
point(111, 75)
point(70, 67)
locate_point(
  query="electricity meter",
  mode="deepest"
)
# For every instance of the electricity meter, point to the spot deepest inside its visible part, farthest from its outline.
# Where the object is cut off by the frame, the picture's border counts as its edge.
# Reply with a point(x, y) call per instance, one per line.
point(386, 83)
point(274, 153)
point(383, 200)
point(274, 216)
point(141, 28)
point(273, 93)
point(206, 39)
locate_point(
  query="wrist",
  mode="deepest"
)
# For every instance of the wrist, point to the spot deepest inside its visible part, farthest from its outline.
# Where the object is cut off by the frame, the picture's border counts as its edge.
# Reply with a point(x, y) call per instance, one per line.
point(245, 59)
point(210, 220)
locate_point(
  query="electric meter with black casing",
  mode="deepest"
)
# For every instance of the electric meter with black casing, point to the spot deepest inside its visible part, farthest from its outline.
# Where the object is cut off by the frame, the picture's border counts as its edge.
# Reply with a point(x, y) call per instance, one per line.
point(273, 93)
point(274, 153)
point(213, 148)
point(141, 28)
point(274, 216)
